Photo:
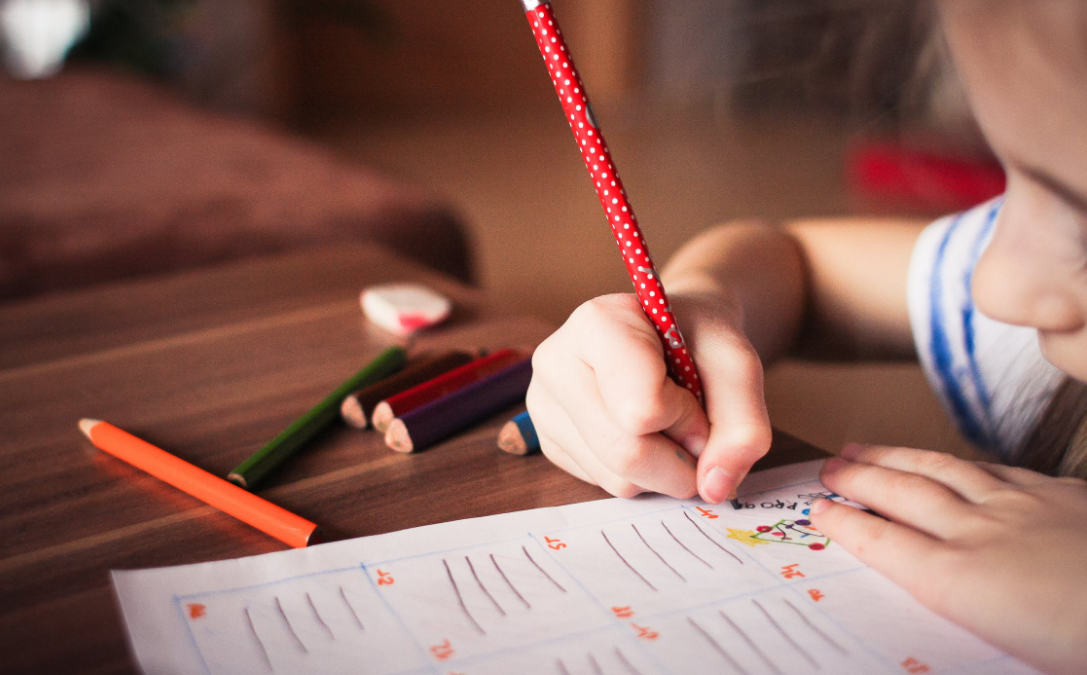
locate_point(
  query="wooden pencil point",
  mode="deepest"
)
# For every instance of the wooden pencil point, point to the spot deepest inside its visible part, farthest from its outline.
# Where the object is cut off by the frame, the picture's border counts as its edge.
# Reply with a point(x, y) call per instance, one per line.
point(398, 438)
point(237, 479)
point(510, 439)
point(351, 411)
point(383, 415)
point(86, 424)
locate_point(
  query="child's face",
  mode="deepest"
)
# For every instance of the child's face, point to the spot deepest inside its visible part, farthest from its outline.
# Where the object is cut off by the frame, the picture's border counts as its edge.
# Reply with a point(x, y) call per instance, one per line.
point(1024, 63)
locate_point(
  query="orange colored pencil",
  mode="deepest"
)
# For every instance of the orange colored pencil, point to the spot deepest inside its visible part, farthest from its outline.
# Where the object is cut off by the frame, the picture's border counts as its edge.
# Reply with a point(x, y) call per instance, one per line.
point(227, 497)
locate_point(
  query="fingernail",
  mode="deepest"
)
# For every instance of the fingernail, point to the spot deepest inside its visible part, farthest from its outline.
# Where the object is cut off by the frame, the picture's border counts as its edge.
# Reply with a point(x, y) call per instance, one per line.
point(851, 451)
point(695, 444)
point(834, 464)
point(818, 506)
point(715, 486)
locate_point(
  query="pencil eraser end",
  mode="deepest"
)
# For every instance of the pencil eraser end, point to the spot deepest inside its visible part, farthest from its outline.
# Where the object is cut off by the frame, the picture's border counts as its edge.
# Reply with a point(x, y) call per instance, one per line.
point(404, 308)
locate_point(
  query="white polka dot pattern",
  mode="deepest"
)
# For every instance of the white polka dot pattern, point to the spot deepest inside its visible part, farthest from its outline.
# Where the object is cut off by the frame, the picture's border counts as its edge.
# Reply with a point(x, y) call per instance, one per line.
point(605, 177)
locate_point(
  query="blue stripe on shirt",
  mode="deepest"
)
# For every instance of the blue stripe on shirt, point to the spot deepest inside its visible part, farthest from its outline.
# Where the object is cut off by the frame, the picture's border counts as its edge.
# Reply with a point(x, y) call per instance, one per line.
point(941, 345)
point(968, 310)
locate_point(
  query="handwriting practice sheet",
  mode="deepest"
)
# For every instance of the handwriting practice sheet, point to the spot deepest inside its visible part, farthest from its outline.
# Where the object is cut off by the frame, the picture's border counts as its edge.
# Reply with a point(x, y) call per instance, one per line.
point(646, 586)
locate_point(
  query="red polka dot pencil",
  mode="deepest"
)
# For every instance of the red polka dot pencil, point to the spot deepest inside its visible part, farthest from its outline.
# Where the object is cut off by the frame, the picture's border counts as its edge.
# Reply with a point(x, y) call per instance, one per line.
point(609, 188)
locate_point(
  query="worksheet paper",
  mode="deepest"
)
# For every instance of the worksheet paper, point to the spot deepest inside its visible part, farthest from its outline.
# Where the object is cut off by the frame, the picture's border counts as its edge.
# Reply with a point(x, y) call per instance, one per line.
point(615, 587)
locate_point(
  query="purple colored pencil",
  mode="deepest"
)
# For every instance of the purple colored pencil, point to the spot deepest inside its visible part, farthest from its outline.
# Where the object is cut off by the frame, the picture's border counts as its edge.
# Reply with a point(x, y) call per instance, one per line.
point(420, 428)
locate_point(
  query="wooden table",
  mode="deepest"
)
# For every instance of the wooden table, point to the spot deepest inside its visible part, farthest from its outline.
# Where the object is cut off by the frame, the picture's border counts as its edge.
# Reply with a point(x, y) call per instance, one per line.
point(210, 365)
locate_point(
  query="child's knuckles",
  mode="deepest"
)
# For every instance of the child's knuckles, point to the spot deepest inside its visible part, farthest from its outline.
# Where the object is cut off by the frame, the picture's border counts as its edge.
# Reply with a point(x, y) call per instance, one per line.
point(624, 489)
point(931, 462)
point(627, 456)
point(595, 312)
point(749, 441)
point(639, 413)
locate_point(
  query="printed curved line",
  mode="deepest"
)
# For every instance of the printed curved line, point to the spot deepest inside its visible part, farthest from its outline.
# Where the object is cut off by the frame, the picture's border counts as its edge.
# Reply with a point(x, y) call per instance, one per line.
point(263, 650)
point(542, 570)
point(631, 567)
point(482, 587)
point(674, 570)
point(290, 628)
point(626, 663)
point(561, 667)
point(509, 583)
point(595, 666)
point(788, 638)
point(351, 609)
point(317, 615)
point(816, 629)
point(717, 647)
point(712, 540)
point(460, 599)
point(750, 643)
point(684, 546)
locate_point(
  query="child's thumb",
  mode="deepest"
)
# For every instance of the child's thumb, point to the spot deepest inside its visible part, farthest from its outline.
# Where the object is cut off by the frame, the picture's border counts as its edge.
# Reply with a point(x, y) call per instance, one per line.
point(739, 435)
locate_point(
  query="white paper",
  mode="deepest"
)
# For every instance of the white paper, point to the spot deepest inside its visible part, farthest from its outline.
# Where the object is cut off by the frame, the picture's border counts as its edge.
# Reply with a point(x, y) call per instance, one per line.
point(615, 587)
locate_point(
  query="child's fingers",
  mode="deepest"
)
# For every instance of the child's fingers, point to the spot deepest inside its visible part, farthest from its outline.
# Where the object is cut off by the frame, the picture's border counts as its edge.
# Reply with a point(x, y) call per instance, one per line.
point(568, 450)
point(557, 456)
point(966, 478)
point(1015, 475)
point(906, 497)
point(651, 460)
point(626, 356)
point(739, 425)
point(903, 555)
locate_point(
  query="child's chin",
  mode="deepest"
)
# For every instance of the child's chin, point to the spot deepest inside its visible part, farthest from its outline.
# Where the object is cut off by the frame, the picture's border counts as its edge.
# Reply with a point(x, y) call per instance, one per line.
point(1067, 351)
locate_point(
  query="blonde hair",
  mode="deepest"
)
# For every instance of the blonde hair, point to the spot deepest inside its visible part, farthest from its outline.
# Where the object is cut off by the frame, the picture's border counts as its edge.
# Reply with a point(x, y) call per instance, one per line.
point(1057, 445)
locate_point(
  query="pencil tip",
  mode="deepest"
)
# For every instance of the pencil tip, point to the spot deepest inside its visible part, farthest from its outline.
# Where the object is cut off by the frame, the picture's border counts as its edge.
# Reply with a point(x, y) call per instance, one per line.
point(86, 424)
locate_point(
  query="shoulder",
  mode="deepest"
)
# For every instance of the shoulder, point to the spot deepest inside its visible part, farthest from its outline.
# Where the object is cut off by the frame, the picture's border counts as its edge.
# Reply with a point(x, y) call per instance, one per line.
point(990, 377)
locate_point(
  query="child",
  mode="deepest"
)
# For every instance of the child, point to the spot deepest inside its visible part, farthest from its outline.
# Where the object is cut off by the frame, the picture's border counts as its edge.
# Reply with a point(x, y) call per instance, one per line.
point(981, 297)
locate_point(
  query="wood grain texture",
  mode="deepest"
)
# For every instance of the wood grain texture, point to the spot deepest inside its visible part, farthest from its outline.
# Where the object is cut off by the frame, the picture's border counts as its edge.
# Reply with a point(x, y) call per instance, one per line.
point(209, 366)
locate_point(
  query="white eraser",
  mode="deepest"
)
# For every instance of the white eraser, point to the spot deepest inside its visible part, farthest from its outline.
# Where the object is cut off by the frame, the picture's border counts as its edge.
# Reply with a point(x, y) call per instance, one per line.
point(404, 308)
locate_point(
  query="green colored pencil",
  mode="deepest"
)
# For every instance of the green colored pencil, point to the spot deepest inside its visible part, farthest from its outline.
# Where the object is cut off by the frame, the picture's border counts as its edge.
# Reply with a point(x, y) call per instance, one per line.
point(250, 472)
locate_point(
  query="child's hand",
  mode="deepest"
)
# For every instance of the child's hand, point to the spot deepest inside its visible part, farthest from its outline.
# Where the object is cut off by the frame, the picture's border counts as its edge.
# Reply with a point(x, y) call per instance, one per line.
point(999, 550)
point(607, 412)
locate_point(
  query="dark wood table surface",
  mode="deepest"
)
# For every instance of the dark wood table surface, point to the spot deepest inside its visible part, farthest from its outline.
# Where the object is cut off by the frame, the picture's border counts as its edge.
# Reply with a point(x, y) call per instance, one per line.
point(209, 365)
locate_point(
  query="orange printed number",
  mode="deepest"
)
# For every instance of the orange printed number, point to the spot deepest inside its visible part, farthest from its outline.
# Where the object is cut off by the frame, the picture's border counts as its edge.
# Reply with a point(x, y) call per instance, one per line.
point(385, 579)
point(555, 544)
point(914, 667)
point(646, 633)
point(623, 612)
point(196, 610)
point(442, 651)
point(707, 513)
point(816, 594)
point(790, 571)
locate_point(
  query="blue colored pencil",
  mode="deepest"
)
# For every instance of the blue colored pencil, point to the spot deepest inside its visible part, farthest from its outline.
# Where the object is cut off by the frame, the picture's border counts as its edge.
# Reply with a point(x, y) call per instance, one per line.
point(518, 436)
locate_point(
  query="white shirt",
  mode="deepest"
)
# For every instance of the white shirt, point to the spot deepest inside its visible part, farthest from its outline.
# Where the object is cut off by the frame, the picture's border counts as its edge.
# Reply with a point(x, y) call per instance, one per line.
point(991, 377)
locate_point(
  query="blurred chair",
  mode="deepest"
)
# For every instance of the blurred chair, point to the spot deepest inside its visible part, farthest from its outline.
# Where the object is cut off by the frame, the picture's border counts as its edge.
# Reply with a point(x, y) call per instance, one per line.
point(103, 177)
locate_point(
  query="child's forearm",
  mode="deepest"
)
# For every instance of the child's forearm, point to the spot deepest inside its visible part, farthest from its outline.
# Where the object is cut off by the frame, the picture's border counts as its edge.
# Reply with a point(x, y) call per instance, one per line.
point(830, 289)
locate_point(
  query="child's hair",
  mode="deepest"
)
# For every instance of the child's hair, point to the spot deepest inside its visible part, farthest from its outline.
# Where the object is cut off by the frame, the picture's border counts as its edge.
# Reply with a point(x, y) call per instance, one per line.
point(1058, 443)
point(931, 91)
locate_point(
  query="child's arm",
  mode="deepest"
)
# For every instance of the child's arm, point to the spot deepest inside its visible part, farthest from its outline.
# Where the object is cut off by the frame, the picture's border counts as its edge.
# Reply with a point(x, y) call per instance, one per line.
point(601, 398)
point(823, 288)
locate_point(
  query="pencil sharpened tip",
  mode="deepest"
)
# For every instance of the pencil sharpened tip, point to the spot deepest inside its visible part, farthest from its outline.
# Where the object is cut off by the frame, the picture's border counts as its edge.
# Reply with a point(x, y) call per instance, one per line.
point(86, 424)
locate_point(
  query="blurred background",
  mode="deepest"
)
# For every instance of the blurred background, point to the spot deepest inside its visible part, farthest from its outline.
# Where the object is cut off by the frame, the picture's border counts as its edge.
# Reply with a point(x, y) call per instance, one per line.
point(146, 136)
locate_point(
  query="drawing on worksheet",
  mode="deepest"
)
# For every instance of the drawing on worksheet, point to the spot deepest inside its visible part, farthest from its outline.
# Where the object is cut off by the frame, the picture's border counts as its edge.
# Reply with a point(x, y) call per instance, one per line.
point(616, 587)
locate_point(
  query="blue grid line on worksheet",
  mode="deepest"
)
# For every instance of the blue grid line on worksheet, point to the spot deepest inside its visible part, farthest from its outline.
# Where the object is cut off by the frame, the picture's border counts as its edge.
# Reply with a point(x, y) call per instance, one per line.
point(192, 638)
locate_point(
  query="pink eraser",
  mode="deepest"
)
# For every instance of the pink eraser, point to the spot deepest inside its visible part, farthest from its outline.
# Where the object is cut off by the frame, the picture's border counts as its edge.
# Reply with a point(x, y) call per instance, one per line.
point(404, 308)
